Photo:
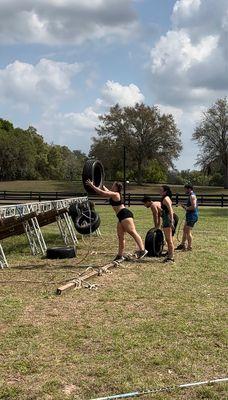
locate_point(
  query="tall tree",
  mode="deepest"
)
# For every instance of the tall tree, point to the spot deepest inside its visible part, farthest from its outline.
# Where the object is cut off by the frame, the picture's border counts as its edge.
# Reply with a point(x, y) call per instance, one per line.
point(212, 136)
point(146, 133)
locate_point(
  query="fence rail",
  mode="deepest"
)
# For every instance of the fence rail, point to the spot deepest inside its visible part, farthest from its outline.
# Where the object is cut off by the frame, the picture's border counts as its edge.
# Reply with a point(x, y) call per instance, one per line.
point(18, 197)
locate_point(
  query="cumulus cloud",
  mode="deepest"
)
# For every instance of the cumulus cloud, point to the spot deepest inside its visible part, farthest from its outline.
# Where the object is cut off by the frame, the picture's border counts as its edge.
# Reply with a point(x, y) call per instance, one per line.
point(42, 83)
point(73, 129)
point(114, 92)
point(188, 65)
point(65, 21)
point(78, 127)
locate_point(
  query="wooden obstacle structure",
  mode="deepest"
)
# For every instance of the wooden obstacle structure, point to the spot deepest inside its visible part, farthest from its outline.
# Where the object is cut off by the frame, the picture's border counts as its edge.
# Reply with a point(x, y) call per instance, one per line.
point(28, 218)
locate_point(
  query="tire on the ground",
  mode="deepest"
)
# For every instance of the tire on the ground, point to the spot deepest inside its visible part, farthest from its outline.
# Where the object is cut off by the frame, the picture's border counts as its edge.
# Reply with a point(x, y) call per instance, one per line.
point(60, 252)
point(93, 170)
point(87, 222)
point(154, 242)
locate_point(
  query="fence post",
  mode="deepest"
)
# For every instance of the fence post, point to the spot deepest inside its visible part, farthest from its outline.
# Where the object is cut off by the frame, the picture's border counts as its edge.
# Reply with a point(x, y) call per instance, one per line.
point(222, 200)
point(129, 199)
point(177, 198)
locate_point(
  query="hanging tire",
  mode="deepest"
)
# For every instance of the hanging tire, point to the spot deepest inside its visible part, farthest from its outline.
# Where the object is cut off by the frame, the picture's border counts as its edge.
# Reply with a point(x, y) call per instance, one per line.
point(154, 242)
point(74, 210)
point(61, 252)
point(87, 223)
point(93, 170)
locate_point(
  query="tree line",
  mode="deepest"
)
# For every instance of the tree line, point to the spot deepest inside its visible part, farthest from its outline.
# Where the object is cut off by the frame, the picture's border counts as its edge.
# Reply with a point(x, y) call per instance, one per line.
point(24, 155)
point(151, 139)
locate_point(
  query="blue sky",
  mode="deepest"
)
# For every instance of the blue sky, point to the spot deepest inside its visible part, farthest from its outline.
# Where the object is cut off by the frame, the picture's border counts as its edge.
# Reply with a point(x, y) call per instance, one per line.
point(64, 62)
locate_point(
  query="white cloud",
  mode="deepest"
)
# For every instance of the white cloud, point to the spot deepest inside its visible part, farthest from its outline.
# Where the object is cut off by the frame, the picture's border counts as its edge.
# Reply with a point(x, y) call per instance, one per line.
point(73, 129)
point(189, 64)
point(68, 21)
point(176, 49)
point(43, 83)
point(185, 9)
point(177, 113)
point(114, 92)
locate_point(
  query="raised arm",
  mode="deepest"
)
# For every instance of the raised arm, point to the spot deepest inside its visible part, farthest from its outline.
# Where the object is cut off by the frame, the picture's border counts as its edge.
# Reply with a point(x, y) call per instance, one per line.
point(102, 192)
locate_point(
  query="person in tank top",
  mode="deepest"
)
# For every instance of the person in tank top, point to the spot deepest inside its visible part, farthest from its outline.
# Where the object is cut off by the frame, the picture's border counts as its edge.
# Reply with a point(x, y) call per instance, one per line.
point(191, 217)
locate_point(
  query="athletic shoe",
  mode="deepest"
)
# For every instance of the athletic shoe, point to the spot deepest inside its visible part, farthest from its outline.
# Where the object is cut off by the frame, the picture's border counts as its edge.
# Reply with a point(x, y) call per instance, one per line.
point(189, 249)
point(169, 260)
point(119, 258)
point(141, 253)
point(180, 247)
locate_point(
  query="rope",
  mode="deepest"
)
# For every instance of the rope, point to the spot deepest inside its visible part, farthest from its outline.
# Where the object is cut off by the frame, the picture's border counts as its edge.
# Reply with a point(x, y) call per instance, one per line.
point(163, 389)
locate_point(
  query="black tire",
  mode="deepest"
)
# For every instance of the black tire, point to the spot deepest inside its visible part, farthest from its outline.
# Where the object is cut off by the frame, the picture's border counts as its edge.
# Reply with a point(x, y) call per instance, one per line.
point(87, 223)
point(74, 210)
point(93, 170)
point(61, 252)
point(154, 242)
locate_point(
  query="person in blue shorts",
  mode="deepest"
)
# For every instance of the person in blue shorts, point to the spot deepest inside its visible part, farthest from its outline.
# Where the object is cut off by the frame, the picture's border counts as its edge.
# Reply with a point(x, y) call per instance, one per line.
point(191, 218)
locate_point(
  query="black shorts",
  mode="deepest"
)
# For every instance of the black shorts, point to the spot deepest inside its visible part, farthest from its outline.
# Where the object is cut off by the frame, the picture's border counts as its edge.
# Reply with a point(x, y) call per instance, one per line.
point(124, 213)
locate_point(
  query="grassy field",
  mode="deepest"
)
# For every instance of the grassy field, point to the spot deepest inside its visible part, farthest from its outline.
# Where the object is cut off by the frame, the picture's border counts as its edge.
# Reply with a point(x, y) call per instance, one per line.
point(147, 325)
point(76, 186)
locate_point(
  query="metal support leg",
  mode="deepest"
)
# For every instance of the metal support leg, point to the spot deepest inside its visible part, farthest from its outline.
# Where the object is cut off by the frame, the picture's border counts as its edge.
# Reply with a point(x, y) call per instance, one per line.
point(35, 236)
point(66, 228)
point(3, 260)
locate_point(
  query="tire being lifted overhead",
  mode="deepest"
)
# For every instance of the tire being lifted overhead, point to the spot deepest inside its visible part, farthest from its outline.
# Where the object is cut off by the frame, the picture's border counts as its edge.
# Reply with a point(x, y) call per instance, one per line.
point(154, 242)
point(61, 252)
point(93, 170)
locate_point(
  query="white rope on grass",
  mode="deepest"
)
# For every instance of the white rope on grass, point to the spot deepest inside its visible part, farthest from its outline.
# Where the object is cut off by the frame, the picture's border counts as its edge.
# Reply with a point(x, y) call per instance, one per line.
point(163, 389)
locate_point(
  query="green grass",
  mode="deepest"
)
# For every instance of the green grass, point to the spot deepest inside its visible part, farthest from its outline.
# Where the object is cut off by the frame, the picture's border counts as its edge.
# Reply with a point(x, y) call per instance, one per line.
point(147, 324)
point(76, 186)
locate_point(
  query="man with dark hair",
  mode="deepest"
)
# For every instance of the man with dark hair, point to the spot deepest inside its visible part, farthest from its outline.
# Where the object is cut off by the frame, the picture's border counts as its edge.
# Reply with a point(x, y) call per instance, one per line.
point(155, 207)
point(191, 208)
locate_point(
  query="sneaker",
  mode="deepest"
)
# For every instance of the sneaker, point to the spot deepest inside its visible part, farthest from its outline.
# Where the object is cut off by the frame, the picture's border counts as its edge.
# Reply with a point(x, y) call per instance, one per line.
point(119, 258)
point(189, 249)
point(141, 253)
point(180, 247)
point(169, 260)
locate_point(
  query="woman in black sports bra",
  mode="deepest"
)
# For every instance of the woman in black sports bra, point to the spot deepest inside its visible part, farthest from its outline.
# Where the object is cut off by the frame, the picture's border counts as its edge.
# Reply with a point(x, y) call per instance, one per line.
point(125, 217)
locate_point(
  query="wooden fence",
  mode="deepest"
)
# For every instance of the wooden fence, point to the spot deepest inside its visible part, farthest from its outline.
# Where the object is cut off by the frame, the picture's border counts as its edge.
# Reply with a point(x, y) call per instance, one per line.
point(17, 197)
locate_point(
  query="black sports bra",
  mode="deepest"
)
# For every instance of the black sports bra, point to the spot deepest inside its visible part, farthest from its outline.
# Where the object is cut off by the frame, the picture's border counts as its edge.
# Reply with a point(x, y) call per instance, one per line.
point(114, 202)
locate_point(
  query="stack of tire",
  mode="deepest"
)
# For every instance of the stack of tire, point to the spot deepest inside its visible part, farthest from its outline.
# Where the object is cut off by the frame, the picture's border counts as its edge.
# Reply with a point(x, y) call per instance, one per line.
point(86, 219)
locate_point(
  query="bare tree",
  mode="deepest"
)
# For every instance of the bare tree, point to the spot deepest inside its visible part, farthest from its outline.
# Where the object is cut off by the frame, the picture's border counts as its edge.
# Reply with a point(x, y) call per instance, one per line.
point(212, 136)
